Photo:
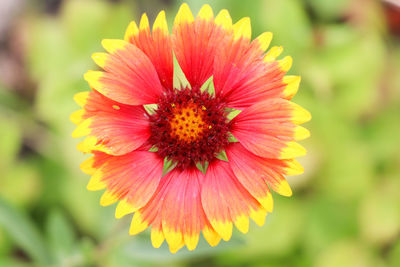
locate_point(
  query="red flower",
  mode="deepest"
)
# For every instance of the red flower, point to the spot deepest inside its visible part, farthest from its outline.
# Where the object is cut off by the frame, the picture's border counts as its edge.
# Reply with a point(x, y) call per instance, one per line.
point(185, 165)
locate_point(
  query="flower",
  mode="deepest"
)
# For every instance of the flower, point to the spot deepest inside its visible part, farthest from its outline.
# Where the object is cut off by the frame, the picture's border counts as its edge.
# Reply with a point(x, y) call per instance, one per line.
point(187, 158)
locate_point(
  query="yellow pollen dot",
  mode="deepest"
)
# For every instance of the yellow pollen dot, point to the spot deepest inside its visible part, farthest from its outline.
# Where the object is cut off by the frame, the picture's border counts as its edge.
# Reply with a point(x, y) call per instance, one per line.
point(187, 122)
point(209, 126)
point(203, 108)
point(116, 107)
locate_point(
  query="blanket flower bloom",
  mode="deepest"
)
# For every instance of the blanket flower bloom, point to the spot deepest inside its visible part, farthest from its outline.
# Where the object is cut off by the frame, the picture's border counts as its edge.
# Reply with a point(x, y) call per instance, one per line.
point(182, 157)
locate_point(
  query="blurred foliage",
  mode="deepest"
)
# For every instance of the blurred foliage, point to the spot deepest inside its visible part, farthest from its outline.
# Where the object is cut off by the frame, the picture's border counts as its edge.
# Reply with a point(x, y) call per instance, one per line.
point(346, 207)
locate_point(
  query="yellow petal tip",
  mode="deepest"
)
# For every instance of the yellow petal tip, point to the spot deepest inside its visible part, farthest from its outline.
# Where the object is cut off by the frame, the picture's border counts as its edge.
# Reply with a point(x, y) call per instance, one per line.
point(77, 116)
point(286, 63)
point(131, 31)
point(224, 229)
point(211, 236)
point(292, 150)
point(108, 198)
point(174, 239)
point(292, 85)
point(123, 208)
point(157, 238)
point(82, 129)
point(301, 133)
point(93, 77)
point(293, 168)
point(100, 59)
point(161, 23)
point(258, 216)
point(299, 114)
point(176, 248)
point(113, 45)
point(264, 40)
point(137, 224)
point(95, 182)
point(273, 53)
point(267, 202)
point(191, 241)
point(242, 29)
point(242, 223)
point(144, 23)
point(205, 13)
point(284, 189)
point(81, 98)
point(184, 15)
point(87, 166)
point(224, 20)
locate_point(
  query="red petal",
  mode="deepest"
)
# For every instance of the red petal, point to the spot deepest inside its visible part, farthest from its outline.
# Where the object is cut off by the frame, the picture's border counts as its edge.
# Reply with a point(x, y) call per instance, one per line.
point(130, 76)
point(116, 128)
point(255, 172)
point(224, 199)
point(247, 169)
point(195, 44)
point(268, 128)
point(182, 214)
point(157, 46)
point(133, 177)
point(176, 209)
point(242, 77)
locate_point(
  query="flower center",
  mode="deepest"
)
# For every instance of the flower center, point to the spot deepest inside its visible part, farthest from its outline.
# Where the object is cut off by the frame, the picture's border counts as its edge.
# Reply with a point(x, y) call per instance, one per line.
point(189, 127)
point(187, 122)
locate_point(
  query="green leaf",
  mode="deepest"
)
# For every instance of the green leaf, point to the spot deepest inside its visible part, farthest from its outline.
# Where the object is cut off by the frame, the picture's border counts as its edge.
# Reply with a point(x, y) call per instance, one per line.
point(168, 166)
point(60, 233)
point(6, 262)
point(24, 233)
point(299, 38)
point(222, 156)
point(151, 108)
point(202, 166)
point(140, 252)
point(10, 141)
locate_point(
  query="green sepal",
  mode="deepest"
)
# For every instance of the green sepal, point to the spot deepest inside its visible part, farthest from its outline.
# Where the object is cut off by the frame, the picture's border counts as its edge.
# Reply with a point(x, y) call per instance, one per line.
point(153, 149)
point(231, 138)
point(208, 86)
point(179, 80)
point(202, 166)
point(222, 156)
point(150, 108)
point(168, 166)
point(232, 113)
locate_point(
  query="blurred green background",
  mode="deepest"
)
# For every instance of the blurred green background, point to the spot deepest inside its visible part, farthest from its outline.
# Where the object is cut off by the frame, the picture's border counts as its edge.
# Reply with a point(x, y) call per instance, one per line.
point(345, 210)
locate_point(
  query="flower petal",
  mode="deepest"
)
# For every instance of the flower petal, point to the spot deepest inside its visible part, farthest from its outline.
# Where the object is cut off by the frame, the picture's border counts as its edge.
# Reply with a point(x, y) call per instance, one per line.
point(132, 178)
point(249, 174)
point(112, 127)
point(224, 20)
point(242, 29)
point(182, 214)
point(195, 42)
point(156, 45)
point(225, 200)
point(243, 75)
point(268, 128)
point(255, 172)
point(175, 212)
point(130, 76)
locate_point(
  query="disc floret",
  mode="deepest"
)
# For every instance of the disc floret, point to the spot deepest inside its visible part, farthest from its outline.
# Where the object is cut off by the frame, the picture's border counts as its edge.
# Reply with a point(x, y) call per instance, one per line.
point(189, 127)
